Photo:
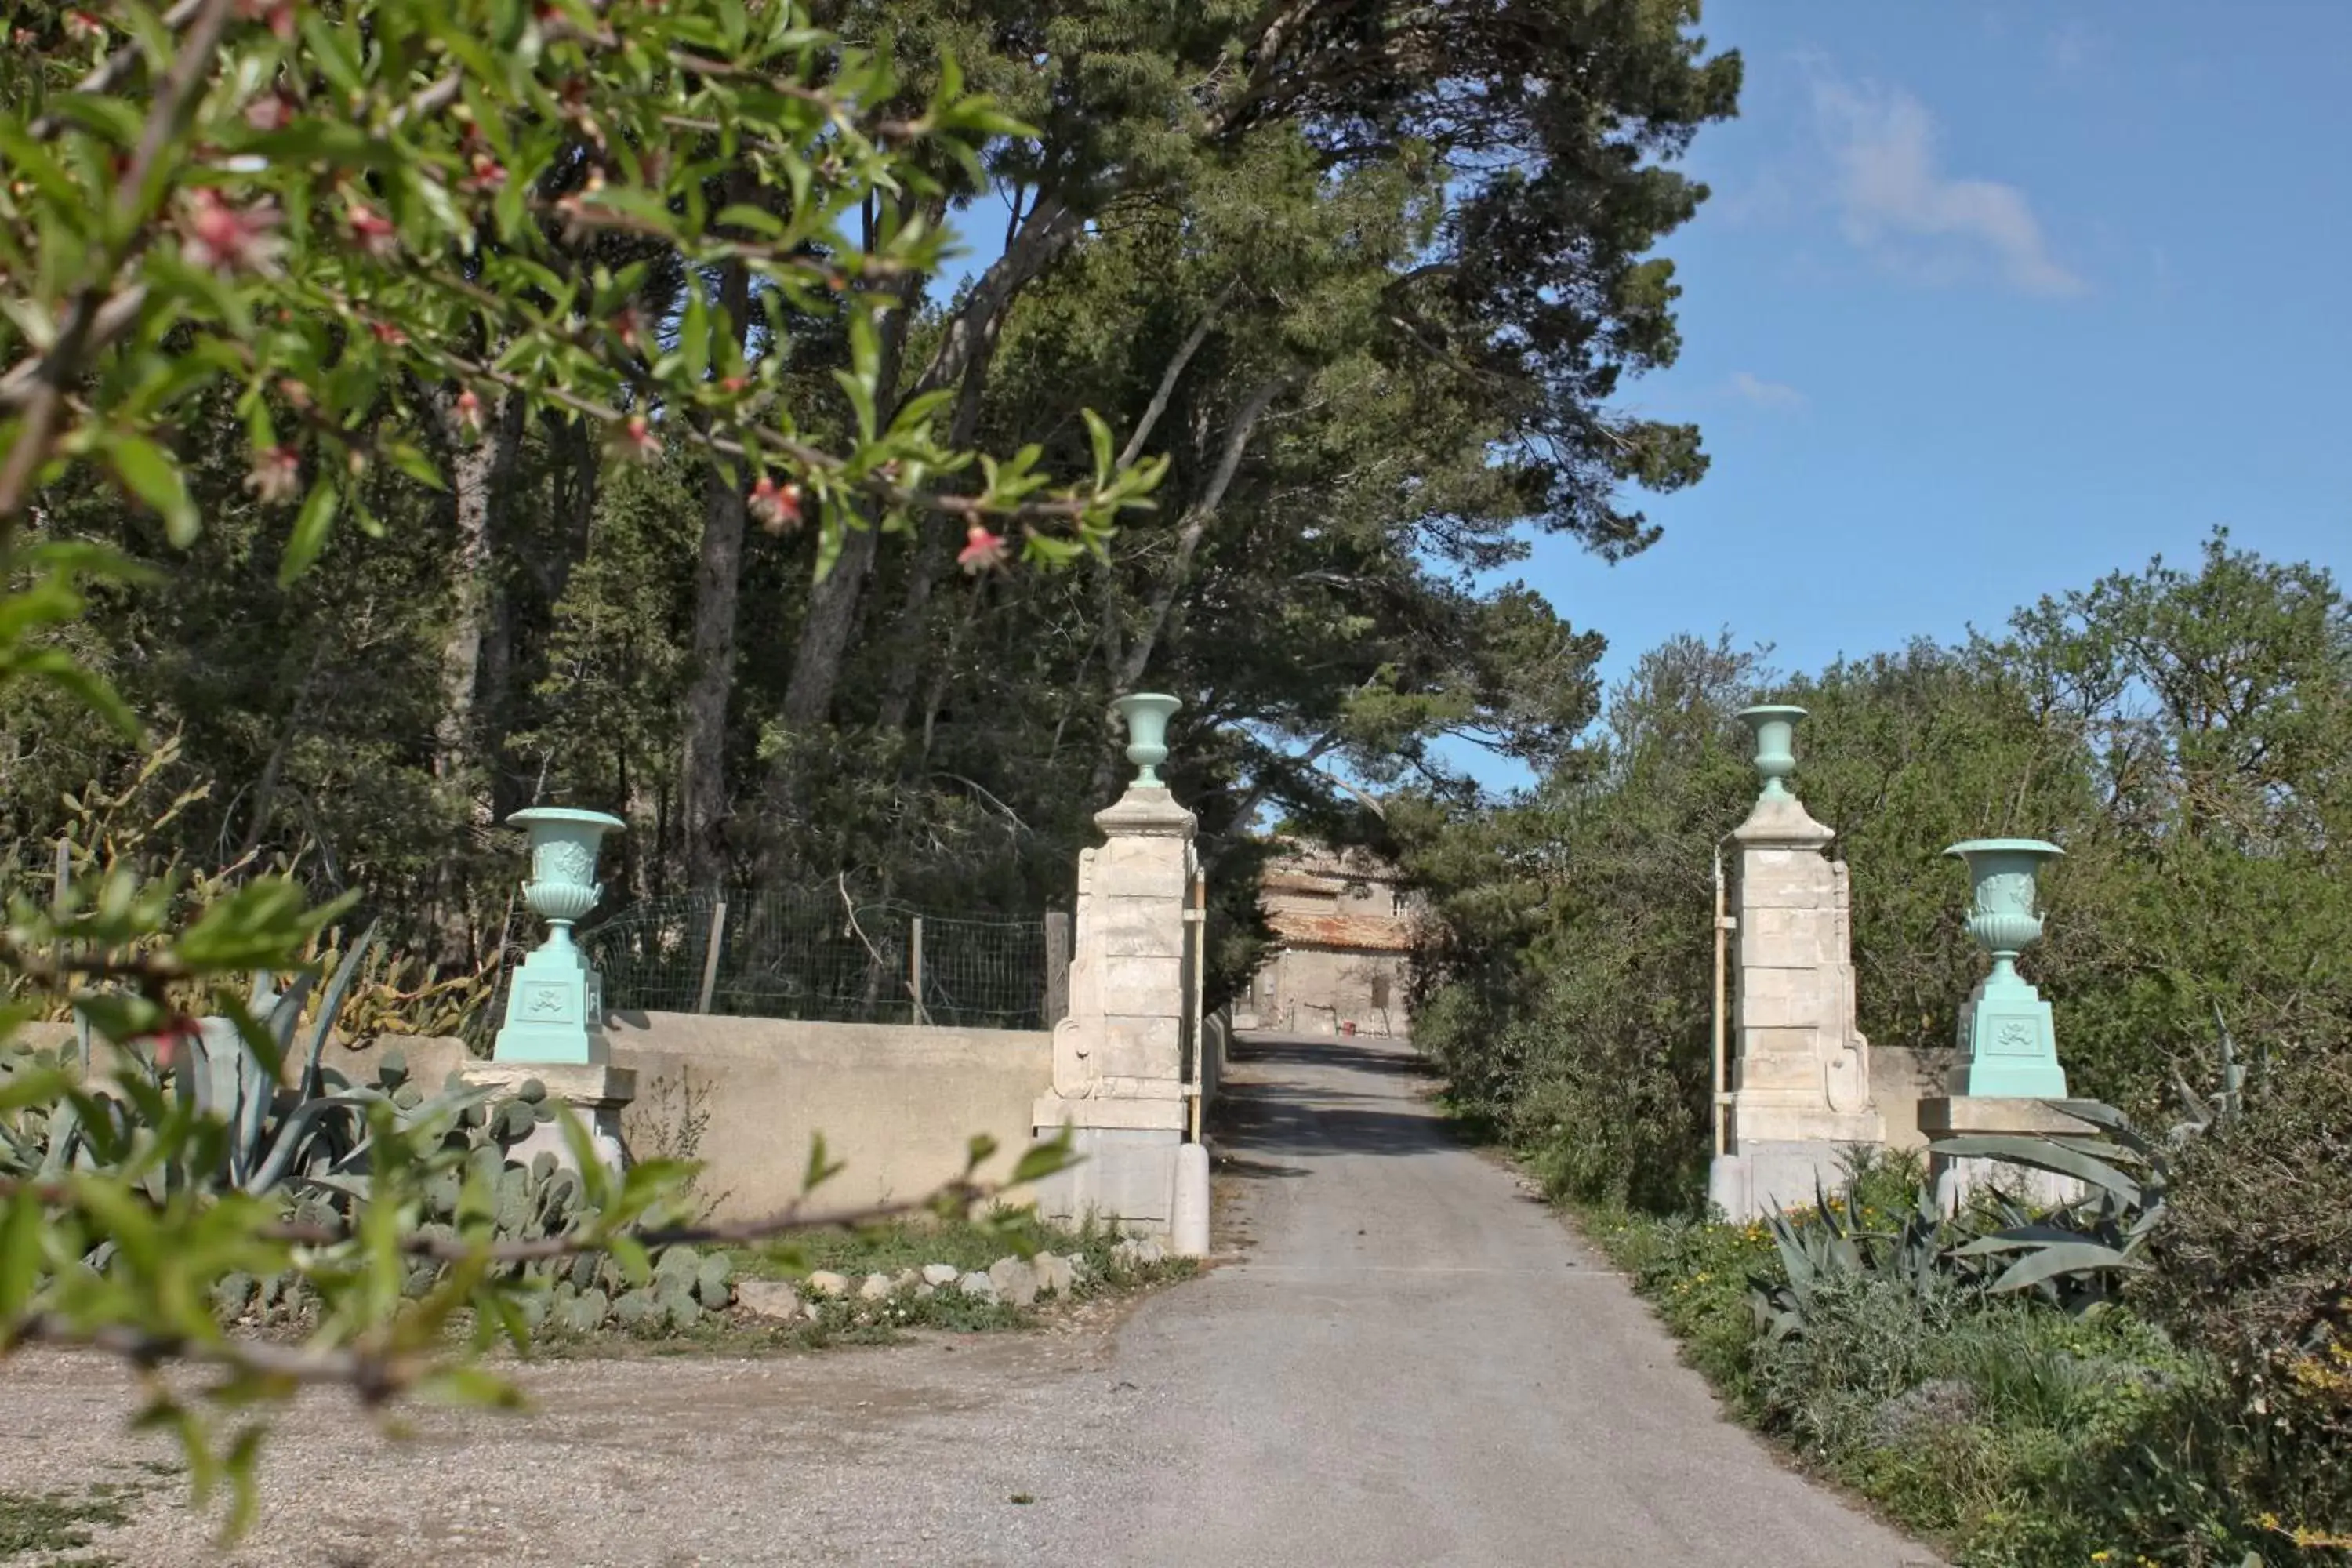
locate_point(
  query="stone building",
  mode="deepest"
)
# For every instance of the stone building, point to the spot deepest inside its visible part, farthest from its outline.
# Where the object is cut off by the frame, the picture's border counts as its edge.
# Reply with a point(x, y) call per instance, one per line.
point(1343, 927)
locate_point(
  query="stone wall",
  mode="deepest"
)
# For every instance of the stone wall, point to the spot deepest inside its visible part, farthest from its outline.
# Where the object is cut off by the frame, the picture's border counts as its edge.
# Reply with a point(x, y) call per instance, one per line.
point(1899, 1079)
point(896, 1103)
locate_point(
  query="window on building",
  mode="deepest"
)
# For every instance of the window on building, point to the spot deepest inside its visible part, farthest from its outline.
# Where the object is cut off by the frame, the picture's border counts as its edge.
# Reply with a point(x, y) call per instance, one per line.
point(1380, 992)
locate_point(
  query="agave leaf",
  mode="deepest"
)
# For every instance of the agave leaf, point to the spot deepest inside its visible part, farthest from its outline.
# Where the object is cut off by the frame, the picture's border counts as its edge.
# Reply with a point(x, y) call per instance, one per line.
point(2062, 1258)
point(2044, 1154)
point(2115, 1123)
point(331, 1006)
point(295, 1132)
point(64, 1139)
point(2017, 1238)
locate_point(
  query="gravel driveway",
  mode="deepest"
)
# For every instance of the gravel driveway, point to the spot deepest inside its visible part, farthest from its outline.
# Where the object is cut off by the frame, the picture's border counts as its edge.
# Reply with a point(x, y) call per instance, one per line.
point(1401, 1359)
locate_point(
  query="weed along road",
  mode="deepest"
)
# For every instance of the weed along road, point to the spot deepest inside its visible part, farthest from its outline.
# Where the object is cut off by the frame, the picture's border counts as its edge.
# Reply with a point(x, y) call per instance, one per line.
point(1400, 1359)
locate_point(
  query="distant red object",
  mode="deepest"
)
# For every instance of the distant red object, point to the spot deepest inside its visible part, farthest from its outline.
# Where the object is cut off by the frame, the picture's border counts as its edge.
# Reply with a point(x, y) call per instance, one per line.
point(1349, 1027)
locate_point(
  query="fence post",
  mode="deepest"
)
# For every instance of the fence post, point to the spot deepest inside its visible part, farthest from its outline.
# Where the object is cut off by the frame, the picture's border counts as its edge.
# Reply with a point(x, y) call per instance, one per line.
point(1058, 966)
point(710, 956)
point(915, 967)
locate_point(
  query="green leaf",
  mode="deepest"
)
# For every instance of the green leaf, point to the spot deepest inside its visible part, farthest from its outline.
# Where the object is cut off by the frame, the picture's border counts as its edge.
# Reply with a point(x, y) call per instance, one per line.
point(149, 472)
point(820, 1170)
point(1098, 432)
point(2064, 1257)
point(2043, 1154)
point(257, 926)
point(1042, 1160)
point(20, 1253)
point(311, 527)
point(472, 1386)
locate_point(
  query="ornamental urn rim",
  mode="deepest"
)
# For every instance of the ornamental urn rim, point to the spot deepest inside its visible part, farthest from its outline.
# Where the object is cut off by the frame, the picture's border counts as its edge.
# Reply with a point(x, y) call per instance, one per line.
point(1772, 711)
point(563, 815)
point(2041, 846)
point(1147, 700)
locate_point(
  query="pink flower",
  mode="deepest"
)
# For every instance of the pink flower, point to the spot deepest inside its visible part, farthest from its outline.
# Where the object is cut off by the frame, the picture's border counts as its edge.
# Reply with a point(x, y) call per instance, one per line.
point(777, 507)
point(82, 25)
point(469, 412)
point(276, 475)
point(272, 112)
point(635, 440)
point(223, 238)
point(489, 175)
point(279, 14)
point(983, 550)
point(376, 233)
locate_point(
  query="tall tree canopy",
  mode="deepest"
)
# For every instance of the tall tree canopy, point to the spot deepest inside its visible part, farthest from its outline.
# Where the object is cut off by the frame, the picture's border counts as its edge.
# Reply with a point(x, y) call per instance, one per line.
point(1366, 275)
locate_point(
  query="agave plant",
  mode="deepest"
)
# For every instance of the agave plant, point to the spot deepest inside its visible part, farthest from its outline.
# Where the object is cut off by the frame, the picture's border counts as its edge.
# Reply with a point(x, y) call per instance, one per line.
point(1833, 1240)
point(2075, 1255)
point(2201, 1112)
point(231, 1070)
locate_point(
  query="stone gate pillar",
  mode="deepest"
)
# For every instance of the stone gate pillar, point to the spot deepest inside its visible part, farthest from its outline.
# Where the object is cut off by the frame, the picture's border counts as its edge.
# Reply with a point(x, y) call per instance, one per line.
point(1118, 1056)
point(1800, 1083)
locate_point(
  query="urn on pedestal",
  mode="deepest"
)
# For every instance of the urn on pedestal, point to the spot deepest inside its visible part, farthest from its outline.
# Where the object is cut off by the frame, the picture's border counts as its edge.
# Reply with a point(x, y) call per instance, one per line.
point(1146, 715)
point(2008, 1045)
point(1774, 725)
point(555, 1003)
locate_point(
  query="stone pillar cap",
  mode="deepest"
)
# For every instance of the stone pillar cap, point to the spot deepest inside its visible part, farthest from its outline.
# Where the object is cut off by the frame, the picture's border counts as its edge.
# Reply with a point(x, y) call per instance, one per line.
point(1146, 813)
point(1781, 819)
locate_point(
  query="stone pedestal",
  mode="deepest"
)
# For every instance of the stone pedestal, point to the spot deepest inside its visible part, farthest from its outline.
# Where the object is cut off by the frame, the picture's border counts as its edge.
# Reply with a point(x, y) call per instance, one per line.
point(1992, 1116)
point(1118, 1056)
point(2008, 1043)
point(596, 1092)
point(1800, 1082)
point(555, 1008)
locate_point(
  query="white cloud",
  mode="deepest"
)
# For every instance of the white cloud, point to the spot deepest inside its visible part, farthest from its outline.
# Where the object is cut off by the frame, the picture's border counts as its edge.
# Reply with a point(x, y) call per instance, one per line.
point(1895, 204)
point(1749, 387)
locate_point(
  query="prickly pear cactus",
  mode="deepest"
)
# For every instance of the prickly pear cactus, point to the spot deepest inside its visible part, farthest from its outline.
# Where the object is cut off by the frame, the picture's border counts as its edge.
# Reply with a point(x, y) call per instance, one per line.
point(540, 1198)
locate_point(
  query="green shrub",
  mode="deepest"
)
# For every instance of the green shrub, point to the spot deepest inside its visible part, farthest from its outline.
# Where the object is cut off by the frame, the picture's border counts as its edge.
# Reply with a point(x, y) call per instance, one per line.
point(2017, 1435)
point(2255, 1269)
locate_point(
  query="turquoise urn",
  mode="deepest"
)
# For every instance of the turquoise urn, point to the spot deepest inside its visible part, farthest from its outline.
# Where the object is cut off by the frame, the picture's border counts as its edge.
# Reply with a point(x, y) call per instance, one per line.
point(1774, 726)
point(555, 1001)
point(1146, 715)
point(2007, 1041)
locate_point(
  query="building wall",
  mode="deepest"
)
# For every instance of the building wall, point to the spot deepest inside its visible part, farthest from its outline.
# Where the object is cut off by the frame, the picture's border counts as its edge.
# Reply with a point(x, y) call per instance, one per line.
point(1319, 991)
point(1344, 930)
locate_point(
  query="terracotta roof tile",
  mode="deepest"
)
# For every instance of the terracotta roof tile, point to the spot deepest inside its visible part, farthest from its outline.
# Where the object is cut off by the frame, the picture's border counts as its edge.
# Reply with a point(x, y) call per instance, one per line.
point(1359, 933)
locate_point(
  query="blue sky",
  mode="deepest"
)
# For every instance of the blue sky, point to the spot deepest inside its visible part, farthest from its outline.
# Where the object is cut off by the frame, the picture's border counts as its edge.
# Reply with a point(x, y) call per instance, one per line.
point(1993, 299)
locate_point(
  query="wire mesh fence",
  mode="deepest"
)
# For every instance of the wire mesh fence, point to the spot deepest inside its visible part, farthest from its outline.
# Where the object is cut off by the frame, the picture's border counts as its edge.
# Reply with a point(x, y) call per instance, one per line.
point(825, 959)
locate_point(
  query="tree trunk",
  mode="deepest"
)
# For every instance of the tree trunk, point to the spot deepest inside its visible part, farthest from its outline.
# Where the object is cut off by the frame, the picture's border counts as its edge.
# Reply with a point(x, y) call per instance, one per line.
point(478, 475)
point(717, 580)
point(932, 558)
point(1049, 230)
point(1195, 523)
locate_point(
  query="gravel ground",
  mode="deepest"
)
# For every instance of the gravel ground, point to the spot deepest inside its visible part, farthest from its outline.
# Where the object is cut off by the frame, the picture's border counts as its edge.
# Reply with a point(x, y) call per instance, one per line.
point(1401, 1361)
